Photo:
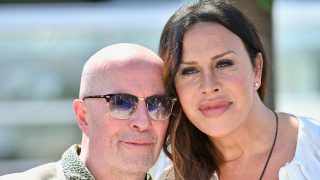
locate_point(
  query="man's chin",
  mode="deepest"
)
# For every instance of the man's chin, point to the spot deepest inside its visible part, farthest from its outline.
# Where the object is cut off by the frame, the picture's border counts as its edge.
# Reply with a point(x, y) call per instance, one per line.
point(142, 164)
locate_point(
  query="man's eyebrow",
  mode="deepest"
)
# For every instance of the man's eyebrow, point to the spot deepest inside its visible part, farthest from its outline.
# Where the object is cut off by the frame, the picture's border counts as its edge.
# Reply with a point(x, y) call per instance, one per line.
point(213, 58)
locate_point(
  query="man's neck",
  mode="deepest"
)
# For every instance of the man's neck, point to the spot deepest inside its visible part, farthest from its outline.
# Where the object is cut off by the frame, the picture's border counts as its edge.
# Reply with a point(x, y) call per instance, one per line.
point(115, 176)
point(103, 172)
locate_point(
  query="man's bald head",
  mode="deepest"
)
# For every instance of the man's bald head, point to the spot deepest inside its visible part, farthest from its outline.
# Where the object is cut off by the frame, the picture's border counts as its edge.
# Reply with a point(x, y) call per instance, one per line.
point(108, 59)
point(125, 147)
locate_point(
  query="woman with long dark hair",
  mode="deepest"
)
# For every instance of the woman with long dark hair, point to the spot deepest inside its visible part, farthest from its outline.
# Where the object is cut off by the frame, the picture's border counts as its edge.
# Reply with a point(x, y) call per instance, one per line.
point(216, 65)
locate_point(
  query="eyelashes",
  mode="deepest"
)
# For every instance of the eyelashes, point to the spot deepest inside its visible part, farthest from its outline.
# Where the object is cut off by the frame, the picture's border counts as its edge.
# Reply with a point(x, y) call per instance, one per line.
point(189, 70)
point(224, 63)
point(220, 65)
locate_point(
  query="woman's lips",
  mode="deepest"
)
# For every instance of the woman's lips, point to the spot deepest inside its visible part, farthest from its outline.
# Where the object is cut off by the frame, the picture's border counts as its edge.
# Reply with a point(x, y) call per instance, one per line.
point(214, 108)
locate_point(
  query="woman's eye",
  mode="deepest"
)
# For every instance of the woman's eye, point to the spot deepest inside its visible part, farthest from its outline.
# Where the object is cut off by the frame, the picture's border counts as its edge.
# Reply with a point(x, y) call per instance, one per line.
point(189, 70)
point(224, 63)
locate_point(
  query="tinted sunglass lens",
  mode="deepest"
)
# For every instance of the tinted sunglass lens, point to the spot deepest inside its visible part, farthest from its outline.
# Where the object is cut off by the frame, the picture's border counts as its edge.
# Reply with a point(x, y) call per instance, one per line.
point(159, 107)
point(122, 105)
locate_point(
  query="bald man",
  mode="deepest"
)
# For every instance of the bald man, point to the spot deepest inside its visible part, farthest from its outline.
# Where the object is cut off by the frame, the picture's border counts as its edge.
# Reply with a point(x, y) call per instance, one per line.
point(123, 115)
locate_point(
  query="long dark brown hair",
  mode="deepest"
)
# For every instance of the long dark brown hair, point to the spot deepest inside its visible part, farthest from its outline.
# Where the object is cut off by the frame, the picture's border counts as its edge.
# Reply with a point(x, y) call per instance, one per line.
point(192, 153)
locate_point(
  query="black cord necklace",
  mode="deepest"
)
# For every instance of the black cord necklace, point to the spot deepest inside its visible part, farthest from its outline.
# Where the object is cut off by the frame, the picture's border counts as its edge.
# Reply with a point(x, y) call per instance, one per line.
point(274, 142)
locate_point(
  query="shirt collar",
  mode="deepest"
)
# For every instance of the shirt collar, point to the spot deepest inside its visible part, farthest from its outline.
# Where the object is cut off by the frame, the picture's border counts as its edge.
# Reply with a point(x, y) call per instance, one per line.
point(74, 168)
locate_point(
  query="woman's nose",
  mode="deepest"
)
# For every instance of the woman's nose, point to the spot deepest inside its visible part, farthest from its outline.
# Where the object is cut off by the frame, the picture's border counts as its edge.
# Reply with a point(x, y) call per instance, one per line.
point(210, 83)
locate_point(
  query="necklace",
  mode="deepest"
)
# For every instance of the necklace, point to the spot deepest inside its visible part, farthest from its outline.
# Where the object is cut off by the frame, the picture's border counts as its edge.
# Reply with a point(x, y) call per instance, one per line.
point(274, 142)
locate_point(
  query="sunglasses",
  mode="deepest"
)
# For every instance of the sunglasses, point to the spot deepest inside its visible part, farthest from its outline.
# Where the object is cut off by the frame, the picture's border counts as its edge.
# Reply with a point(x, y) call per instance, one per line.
point(123, 106)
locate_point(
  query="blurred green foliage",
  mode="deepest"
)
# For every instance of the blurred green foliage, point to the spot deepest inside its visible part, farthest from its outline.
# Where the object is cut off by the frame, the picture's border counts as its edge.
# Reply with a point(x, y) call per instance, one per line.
point(265, 4)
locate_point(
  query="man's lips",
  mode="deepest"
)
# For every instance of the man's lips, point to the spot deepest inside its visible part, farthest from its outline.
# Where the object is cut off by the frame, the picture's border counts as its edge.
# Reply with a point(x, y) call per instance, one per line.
point(140, 142)
point(214, 108)
point(137, 143)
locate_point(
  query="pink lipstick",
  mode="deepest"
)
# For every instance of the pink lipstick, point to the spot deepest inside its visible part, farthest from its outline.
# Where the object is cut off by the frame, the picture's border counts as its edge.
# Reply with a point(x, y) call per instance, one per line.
point(214, 108)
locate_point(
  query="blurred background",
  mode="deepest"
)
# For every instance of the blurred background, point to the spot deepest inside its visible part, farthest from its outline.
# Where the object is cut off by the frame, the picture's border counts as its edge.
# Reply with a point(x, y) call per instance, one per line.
point(44, 44)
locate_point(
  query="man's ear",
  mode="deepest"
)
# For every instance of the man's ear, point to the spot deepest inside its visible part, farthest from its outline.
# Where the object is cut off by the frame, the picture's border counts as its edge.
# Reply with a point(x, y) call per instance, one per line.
point(80, 111)
point(258, 67)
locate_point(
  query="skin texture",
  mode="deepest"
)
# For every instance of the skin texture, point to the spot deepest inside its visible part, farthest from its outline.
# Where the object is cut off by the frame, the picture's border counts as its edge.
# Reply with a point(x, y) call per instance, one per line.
point(216, 69)
point(217, 73)
point(113, 148)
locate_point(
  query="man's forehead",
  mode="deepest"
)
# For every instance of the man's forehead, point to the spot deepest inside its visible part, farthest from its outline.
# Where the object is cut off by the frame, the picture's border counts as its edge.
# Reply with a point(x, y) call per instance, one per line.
point(109, 62)
point(138, 88)
point(136, 72)
point(123, 52)
point(126, 76)
point(110, 67)
point(119, 65)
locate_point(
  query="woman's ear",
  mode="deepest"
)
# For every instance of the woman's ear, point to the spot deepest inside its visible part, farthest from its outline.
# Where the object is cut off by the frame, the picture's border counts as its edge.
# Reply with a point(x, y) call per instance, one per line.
point(258, 67)
point(80, 111)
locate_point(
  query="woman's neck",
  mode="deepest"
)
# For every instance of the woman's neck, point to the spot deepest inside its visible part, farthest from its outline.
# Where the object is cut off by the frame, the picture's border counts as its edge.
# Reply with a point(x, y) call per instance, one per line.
point(254, 136)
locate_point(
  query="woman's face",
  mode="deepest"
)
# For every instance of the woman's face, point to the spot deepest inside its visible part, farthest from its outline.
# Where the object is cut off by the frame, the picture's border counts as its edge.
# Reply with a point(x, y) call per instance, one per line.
point(215, 81)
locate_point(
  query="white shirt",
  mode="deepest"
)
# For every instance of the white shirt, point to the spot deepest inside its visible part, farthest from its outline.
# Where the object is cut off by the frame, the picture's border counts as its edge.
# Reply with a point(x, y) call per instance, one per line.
point(304, 166)
point(306, 161)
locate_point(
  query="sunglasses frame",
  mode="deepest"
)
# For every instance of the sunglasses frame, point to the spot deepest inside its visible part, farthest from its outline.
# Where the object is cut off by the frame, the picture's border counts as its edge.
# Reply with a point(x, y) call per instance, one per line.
point(107, 97)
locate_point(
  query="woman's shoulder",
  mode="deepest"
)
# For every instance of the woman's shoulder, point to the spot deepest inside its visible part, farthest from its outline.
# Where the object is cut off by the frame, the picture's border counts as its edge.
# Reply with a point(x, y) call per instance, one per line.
point(308, 133)
point(306, 161)
point(309, 125)
point(308, 129)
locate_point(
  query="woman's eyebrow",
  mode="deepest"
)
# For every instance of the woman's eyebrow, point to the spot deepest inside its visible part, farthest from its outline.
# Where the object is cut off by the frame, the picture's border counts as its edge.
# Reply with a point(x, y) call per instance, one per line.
point(223, 54)
point(213, 58)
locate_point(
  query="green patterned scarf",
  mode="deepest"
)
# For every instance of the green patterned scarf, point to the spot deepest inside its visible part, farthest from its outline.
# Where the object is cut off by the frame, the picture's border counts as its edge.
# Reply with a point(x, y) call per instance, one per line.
point(74, 168)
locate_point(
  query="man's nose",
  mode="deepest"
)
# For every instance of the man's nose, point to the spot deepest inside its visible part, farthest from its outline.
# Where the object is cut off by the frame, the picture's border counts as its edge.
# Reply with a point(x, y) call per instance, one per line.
point(140, 120)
